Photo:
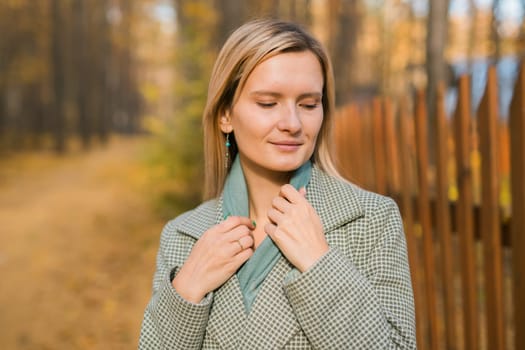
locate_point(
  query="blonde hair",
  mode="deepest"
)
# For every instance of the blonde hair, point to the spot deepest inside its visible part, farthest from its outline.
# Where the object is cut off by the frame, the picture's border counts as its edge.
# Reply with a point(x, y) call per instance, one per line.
point(246, 47)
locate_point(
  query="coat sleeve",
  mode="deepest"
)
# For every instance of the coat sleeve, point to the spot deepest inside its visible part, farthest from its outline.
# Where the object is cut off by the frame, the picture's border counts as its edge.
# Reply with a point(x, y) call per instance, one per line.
point(342, 307)
point(170, 322)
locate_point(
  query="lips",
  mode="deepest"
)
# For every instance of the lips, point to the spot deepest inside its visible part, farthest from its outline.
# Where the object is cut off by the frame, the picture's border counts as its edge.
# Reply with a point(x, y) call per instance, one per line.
point(287, 145)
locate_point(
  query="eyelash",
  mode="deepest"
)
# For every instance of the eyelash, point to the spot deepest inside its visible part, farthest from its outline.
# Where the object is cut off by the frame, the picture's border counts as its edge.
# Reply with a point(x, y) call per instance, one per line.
point(272, 104)
point(266, 104)
point(310, 106)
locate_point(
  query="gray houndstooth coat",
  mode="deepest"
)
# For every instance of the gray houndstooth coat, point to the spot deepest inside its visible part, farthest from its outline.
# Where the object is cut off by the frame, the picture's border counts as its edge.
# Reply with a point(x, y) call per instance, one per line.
point(357, 296)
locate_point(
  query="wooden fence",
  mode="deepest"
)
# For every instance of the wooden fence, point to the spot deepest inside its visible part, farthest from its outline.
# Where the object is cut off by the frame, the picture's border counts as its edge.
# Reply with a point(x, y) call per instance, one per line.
point(459, 183)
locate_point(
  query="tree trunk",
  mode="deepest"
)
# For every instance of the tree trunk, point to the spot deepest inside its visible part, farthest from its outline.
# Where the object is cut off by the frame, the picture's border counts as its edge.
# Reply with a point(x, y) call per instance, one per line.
point(103, 53)
point(495, 37)
point(472, 35)
point(345, 18)
point(436, 64)
point(232, 13)
point(57, 69)
point(3, 110)
point(81, 73)
point(264, 8)
point(299, 11)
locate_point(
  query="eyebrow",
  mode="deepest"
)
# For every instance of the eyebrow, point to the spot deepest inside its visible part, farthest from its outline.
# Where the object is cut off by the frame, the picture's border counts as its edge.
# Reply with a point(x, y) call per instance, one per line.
point(277, 94)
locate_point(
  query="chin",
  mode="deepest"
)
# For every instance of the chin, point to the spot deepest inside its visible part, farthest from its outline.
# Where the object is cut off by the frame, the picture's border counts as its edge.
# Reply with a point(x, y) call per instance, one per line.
point(289, 166)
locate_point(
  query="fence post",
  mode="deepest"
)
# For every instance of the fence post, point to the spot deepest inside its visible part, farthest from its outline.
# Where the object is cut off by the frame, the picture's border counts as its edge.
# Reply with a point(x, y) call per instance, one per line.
point(517, 151)
point(424, 218)
point(405, 141)
point(443, 218)
point(378, 146)
point(391, 149)
point(367, 156)
point(342, 149)
point(356, 132)
point(490, 218)
point(465, 226)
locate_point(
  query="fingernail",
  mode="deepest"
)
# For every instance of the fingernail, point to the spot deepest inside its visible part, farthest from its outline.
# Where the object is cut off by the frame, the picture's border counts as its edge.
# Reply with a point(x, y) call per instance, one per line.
point(254, 223)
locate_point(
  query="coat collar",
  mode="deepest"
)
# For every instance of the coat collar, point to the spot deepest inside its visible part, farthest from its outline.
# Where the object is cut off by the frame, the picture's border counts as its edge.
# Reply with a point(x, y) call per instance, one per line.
point(336, 202)
point(202, 218)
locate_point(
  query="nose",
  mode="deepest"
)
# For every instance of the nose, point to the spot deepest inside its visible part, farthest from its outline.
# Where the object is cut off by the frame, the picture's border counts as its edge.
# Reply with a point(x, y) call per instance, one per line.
point(290, 120)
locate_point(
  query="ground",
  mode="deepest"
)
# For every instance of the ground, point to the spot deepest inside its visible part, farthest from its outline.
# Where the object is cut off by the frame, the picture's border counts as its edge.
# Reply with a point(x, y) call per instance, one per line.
point(78, 240)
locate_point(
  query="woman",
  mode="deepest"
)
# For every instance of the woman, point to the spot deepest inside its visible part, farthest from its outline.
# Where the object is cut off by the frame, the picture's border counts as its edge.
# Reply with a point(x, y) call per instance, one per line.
point(284, 254)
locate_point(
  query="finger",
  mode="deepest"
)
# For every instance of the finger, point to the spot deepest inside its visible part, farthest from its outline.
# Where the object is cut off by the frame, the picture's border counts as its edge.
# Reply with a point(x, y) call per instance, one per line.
point(270, 229)
point(241, 257)
point(275, 215)
point(280, 204)
point(233, 221)
point(236, 233)
point(289, 193)
point(239, 244)
point(276, 235)
point(234, 247)
point(246, 242)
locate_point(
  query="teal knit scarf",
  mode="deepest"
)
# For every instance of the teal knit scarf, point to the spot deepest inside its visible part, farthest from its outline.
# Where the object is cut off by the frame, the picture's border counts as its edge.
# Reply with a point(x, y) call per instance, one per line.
point(235, 202)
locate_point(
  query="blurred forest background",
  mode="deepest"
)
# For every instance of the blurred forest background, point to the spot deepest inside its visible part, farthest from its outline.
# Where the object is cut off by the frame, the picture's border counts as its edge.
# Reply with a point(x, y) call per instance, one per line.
point(100, 136)
point(73, 73)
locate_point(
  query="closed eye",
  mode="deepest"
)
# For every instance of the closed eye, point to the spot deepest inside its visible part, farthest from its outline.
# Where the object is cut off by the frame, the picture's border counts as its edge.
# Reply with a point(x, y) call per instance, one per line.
point(310, 106)
point(266, 104)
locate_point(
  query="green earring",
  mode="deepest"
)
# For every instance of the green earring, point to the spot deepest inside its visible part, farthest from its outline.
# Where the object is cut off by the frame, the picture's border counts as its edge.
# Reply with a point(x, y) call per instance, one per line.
point(227, 155)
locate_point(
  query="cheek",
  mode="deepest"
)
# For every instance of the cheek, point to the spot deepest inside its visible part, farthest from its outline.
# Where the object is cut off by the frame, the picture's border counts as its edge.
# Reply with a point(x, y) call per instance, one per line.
point(249, 123)
point(245, 130)
point(314, 127)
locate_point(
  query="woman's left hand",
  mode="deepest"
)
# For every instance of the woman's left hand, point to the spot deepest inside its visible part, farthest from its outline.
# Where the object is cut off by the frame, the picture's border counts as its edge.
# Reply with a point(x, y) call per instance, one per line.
point(296, 228)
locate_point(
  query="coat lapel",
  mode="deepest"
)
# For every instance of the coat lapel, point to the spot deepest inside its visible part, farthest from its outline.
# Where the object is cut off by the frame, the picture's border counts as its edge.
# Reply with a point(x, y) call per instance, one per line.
point(271, 322)
point(227, 316)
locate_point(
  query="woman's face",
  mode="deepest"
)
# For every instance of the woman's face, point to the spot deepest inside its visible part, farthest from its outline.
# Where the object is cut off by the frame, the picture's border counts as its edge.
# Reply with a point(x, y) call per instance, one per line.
point(278, 114)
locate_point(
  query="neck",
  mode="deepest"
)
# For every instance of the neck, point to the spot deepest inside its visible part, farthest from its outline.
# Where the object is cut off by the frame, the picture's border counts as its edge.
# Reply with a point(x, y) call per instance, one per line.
point(262, 188)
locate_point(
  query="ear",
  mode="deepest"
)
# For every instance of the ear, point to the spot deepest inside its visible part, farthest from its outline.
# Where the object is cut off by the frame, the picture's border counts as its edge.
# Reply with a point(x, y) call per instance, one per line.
point(225, 123)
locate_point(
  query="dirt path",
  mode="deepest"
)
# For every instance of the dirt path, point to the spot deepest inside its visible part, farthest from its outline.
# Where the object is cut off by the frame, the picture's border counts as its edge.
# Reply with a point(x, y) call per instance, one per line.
point(77, 248)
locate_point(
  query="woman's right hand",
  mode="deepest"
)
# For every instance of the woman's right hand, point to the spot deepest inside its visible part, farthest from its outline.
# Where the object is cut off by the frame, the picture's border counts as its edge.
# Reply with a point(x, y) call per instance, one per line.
point(215, 257)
